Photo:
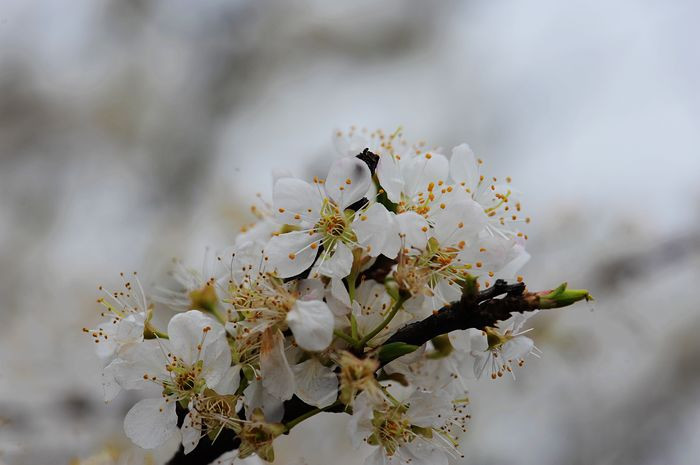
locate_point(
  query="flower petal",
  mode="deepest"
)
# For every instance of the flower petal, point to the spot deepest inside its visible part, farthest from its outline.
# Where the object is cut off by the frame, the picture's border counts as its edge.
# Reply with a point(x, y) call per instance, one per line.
point(316, 384)
point(195, 336)
point(138, 360)
point(423, 169)
point(255, 396)
point(375, 229)
point(291, 253)
point(336, 263)
point(191, 431)
point(312, 324)
point(278, 379)
point(229, 382)
point(413, 227)
point(517, 348)
point(464, 167)
point(462, 220)
point(296, 201)
point(110, 386)
point(311, 289)
point(390, 178)
point(348, 181)
point(151, 422)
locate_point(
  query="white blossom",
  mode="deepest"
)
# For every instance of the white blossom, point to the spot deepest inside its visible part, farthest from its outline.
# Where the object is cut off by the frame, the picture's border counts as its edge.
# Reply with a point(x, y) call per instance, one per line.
point(195, 357)
point(321, 224)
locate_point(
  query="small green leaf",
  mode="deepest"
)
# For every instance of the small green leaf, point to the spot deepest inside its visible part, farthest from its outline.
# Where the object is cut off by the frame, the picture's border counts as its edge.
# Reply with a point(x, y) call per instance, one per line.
point(562, 297)
point(394, 350)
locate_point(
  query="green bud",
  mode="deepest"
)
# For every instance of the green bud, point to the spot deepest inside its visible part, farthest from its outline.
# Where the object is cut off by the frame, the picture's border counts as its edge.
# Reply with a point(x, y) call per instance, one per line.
point(562, 297)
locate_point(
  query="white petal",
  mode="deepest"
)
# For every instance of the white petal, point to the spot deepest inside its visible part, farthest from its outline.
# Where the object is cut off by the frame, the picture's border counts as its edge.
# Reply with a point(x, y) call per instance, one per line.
point(191, 431)
point(151, 422)
point(374, 228)
point(278, 379)
point(106, 349)
point(462, 220)
point(192, 343)
point(446, 292)
point(481, 360)
point(517, 258)
point(186, 331)
point(349, 145)
point(293, 198)
point(426, 409)
point(421, 170)
point(312, 324)
point(423, 453)
point(146, 358)
point(336, 263)
point(378, 457)
point(311, 289)
point(517, 348)
point(339, 291)
point(461, 340)
point(317, 384)
point(390, 178)
point(291, 253)
point(255, 396)
point(414, 228)
point(229, 381)
point(464, 167)
point(110, 386)
point(130, 329)
point(348, 181)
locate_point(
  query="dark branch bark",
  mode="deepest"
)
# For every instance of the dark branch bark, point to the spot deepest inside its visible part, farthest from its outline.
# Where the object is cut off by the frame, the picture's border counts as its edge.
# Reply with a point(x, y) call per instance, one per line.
point(478, 311)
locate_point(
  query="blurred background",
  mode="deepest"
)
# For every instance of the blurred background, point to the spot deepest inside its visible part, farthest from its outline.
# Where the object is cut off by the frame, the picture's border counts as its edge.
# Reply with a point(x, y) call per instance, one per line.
point(134, 131)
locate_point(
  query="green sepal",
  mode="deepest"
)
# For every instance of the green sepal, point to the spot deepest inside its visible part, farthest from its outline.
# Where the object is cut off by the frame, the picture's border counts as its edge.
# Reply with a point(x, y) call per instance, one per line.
point(425, 432)
point(433, 246)
point(392, 288)
point(443, 346)
point(248, 372)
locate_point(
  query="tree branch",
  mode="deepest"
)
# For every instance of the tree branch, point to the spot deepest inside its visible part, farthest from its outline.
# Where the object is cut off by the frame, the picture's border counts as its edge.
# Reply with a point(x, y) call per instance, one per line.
point(474, 310)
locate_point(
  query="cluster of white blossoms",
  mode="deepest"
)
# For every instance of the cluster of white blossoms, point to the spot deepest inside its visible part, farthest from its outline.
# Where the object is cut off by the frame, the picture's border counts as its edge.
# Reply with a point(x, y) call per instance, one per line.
point(305, 301)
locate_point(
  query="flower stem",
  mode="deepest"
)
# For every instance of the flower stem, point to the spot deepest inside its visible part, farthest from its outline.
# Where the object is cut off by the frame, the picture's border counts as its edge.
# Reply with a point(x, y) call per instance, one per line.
point(390, 316)
point(345, 337)
point(352, 278)
point(219, 316)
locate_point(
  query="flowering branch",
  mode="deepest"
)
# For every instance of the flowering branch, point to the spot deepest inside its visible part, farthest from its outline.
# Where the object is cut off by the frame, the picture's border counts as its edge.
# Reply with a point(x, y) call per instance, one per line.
point(335, 295)
point(474, 310)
